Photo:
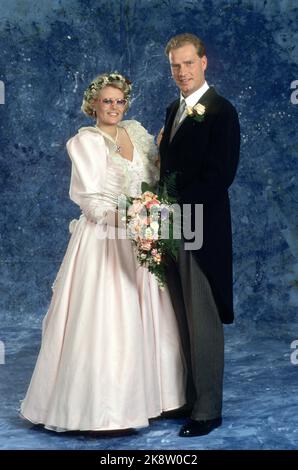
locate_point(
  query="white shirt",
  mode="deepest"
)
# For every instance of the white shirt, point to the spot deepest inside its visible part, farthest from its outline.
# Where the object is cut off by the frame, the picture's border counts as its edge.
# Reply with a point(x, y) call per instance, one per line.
point(192, 99)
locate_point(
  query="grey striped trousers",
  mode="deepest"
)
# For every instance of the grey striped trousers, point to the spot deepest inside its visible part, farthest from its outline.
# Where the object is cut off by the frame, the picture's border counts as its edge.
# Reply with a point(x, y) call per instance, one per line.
point(202, 335)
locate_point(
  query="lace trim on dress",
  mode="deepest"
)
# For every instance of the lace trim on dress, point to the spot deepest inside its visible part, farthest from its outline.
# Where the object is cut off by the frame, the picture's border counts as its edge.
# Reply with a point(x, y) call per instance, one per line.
point(142, 167)
point(145, 145)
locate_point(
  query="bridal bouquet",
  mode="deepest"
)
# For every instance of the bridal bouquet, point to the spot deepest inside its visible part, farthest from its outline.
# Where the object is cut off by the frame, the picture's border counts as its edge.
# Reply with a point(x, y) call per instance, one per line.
point(151, 225)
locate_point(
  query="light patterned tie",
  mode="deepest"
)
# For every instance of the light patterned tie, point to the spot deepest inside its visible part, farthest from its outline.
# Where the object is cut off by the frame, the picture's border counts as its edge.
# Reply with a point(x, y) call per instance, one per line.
point(178, 117)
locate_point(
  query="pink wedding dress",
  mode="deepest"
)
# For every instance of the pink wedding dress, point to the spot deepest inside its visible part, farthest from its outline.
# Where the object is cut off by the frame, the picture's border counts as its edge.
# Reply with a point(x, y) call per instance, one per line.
point(110, 356)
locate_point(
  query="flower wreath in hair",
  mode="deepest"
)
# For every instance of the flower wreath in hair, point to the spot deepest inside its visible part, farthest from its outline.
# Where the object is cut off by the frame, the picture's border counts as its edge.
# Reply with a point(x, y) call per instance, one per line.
point(106, 80)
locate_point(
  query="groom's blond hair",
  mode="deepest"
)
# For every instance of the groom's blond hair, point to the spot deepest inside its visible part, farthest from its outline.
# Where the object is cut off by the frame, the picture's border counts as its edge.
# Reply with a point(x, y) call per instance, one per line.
point(186, 38)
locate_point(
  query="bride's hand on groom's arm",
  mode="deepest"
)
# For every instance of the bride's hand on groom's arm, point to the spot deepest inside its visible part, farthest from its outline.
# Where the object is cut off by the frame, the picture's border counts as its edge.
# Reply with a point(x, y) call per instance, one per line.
point(159, 137)
point(158, 140)
point(157, 161)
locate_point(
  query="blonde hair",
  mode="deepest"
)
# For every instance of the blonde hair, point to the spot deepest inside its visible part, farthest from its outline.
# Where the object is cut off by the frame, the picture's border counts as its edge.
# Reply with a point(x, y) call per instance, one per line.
point(114, 79)
point(183, 39)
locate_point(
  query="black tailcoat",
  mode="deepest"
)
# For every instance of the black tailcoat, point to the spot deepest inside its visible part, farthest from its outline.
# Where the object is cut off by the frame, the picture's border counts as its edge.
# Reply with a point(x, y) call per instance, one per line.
point(204, 156)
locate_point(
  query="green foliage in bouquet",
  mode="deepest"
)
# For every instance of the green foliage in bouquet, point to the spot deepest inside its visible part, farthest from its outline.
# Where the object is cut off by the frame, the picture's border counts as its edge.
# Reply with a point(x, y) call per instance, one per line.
point(153, 225)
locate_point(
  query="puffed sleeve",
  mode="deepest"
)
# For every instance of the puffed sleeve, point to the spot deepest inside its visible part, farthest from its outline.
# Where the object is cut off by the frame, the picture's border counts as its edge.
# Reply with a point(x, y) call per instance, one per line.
point(88, 155)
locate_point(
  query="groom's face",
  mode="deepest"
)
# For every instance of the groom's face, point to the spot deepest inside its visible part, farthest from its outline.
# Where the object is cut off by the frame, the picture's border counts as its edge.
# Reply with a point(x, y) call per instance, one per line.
point(188, 69)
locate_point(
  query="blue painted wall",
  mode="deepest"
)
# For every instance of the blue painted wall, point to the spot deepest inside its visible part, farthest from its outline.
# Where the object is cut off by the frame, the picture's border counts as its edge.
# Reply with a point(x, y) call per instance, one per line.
point(50, 50)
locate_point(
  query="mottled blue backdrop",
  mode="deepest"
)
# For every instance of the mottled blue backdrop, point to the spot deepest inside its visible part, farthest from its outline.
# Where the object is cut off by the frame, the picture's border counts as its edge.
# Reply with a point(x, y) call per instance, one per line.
point(49, 53)
point(50, 50)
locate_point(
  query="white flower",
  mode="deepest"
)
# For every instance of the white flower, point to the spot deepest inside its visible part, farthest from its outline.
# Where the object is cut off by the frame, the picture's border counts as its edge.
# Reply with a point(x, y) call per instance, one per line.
point(199, 109)
point(155, 226)
point(197, 112)
point(149, 233)
point(189, 110)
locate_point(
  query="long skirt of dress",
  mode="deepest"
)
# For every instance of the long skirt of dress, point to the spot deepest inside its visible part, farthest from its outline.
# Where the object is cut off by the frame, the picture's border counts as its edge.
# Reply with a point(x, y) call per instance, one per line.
point(110, 356)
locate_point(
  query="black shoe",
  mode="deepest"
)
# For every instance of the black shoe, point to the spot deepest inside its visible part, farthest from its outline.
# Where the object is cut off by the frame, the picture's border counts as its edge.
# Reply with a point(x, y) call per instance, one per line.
point(199, 428)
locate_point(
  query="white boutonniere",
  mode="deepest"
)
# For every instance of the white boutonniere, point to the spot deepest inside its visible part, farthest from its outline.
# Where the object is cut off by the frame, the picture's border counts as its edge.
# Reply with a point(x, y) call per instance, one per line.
point(197, 112)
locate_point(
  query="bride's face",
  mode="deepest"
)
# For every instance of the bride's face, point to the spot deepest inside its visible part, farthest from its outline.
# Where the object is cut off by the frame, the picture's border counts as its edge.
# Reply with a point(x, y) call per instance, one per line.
point(110, 106)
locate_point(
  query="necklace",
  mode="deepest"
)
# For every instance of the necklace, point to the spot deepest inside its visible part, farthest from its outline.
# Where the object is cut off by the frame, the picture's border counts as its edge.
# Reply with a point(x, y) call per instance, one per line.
point(118, 147)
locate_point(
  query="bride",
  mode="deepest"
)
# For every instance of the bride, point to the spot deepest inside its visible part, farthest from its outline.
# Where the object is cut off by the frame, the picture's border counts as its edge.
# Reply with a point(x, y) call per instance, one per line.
point(110, 355)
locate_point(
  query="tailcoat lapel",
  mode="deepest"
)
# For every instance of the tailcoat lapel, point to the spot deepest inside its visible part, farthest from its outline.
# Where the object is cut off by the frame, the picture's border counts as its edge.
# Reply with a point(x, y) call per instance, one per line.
point(170, 120)
point(187, 121)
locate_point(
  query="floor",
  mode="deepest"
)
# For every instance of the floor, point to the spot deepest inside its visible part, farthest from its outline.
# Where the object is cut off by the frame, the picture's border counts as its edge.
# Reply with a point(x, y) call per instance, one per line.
point(260, 398)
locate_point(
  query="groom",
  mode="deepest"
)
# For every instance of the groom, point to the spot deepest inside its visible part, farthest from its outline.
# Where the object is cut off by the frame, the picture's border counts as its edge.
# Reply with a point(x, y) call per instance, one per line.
point(202, 149)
